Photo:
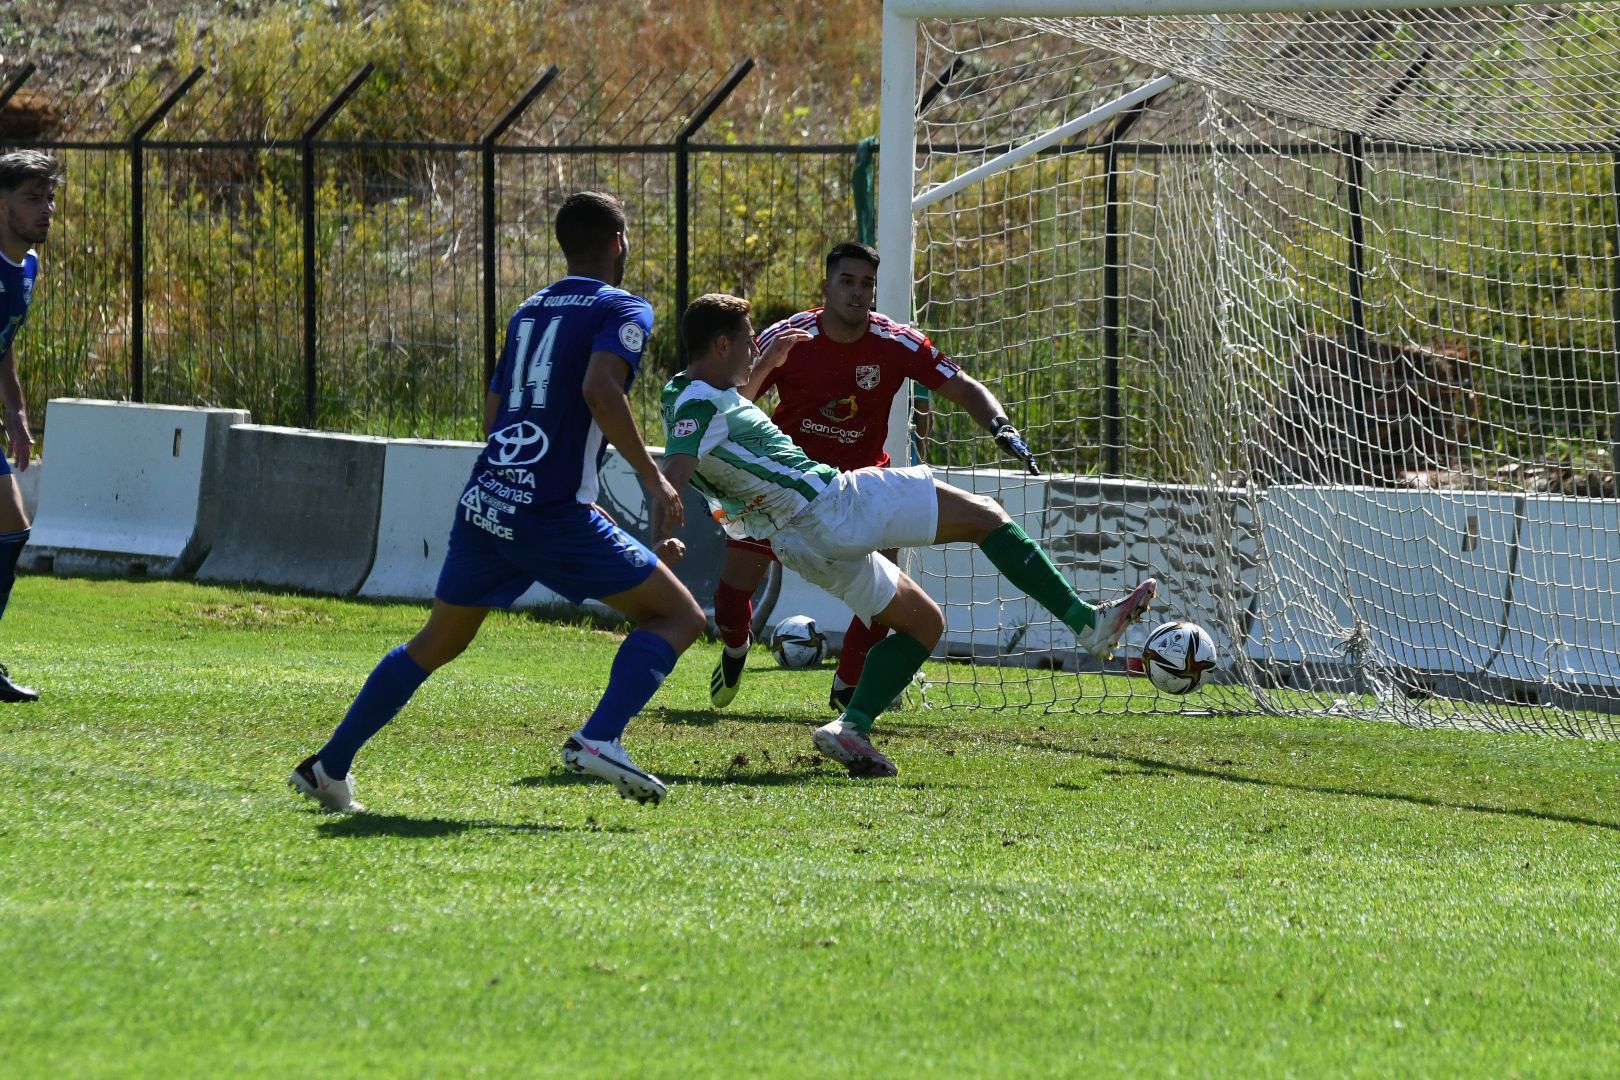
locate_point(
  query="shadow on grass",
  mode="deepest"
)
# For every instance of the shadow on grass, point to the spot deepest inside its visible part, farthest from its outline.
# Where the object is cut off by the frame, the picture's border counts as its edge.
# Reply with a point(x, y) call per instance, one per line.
point(1150, 767)
point(363, 825)
point(886, 724)
point(749, 778)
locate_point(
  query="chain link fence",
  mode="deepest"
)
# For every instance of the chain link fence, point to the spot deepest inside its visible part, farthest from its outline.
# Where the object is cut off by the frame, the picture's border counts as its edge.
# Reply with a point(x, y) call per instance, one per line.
point(347, 265)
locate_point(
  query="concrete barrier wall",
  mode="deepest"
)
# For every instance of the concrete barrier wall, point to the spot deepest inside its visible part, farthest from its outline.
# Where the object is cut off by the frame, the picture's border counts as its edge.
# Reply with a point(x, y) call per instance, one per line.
point(28, 485)
point(135, 489)
point(300, 510)
point(421, 481)
point(1522, 588)
point(1564, 623)
point(1427, 572)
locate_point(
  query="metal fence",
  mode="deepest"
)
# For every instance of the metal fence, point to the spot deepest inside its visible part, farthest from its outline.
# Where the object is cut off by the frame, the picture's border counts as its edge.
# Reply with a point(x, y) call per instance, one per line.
point(332, 268)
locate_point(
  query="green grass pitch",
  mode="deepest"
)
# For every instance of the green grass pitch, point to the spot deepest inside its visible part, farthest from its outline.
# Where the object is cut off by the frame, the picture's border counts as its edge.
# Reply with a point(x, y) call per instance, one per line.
point(1111, 894)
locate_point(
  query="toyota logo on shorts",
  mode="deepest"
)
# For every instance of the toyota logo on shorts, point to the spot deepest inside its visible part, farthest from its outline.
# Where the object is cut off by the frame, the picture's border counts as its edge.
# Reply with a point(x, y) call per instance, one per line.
point(522, 443)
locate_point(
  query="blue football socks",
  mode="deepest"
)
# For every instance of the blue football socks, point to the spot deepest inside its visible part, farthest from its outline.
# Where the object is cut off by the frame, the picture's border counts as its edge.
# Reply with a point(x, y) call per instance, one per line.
point(638, 671)
point(11, 545)
point(387, 689)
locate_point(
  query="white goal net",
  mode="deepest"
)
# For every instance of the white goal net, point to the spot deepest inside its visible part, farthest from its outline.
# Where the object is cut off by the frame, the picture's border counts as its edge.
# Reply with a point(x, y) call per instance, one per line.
point(1321, 333)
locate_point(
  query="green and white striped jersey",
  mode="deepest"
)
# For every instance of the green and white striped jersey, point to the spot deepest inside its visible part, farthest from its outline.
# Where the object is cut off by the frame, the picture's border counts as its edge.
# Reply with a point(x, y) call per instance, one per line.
point(754, 477)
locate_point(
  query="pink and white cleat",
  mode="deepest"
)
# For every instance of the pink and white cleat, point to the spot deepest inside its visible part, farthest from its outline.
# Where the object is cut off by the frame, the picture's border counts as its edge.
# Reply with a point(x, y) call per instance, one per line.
point(1114, 617)
point(846, 744)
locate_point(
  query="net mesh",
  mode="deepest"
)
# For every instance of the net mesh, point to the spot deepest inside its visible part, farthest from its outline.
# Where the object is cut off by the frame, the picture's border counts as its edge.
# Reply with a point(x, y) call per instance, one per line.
point(1323, 337)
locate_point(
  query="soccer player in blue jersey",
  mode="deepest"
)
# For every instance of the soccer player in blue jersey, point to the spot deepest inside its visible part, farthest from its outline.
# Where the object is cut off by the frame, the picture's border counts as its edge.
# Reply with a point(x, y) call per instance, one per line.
point(527, 513)
point(829, 526)
point(28, 182)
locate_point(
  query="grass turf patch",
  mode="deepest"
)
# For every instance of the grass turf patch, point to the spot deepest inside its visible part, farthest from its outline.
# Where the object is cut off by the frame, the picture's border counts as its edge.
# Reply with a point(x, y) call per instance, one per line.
point(1113, 892)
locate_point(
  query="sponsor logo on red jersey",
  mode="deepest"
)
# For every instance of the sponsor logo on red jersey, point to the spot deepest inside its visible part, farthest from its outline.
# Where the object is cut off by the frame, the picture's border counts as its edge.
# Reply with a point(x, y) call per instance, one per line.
point(839, 410)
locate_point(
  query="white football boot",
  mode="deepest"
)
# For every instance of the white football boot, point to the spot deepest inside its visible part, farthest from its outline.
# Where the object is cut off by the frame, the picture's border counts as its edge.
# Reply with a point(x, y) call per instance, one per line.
point(1113, 618)
point(337, 796)
point(846, 744)
point(608, 760)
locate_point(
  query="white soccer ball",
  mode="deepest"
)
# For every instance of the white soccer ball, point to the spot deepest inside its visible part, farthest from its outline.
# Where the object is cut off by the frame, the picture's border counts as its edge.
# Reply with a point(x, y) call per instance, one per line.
point(796, 643)
point(1176, 656)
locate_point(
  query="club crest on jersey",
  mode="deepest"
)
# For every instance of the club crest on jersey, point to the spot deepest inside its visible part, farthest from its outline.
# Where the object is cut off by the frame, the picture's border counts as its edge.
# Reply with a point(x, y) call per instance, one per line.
point(867, 376)
point(522, 443)
point(683, 428)
point(841, 409)
point(631, 337)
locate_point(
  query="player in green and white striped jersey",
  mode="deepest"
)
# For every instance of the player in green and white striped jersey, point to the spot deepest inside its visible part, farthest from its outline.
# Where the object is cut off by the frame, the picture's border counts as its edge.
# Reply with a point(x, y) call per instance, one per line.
point(756, 478)
point(828, 526)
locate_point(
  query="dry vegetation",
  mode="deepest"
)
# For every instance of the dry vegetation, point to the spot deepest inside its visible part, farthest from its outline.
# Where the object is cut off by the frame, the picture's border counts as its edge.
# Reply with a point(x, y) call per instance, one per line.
point(817, 61)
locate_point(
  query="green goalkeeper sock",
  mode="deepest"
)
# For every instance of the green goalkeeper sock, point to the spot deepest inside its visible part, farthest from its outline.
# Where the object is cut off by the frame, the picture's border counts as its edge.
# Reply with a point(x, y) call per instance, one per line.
point(889, 668)
point(1022, 562)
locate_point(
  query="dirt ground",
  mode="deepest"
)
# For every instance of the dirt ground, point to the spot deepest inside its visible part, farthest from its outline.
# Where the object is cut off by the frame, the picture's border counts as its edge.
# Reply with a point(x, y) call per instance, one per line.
point(77, 40)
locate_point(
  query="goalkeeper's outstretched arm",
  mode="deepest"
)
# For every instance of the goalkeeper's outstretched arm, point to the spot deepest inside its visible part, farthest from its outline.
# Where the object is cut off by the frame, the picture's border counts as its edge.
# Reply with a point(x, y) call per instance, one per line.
point(978, 402)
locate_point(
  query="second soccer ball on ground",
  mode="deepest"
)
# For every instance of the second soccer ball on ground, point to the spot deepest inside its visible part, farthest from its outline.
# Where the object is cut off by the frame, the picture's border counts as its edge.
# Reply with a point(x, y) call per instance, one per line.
point(796, 643)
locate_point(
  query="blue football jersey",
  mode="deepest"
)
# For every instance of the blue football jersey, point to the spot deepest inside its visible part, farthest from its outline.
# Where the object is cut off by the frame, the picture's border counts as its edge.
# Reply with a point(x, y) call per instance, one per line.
point(545, 447)
point(16, 289)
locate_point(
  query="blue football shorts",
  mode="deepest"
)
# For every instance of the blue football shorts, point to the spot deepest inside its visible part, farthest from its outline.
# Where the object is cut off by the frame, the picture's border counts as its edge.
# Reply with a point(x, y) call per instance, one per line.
point(572, 550)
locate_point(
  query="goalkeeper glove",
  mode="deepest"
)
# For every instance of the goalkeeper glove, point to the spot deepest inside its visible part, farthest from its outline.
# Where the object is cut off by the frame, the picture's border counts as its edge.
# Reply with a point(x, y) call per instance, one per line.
point(1013, 444)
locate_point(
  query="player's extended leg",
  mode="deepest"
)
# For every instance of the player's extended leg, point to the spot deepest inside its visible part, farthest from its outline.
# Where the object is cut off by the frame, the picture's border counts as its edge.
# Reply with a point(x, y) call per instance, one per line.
point(858, 641)
point(13, 535)
point(742, 568)
point(972, 518)
point(918, 623)
point(324, 775)
point(667, 621)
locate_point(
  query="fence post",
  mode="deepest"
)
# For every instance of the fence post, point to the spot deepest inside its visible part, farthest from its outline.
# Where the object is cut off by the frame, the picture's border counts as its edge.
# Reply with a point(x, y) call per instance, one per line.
point(683, 194)
point(16, 82)
point(137, 235)
point(487, 141)
point(1354, 181)
point(307, 168)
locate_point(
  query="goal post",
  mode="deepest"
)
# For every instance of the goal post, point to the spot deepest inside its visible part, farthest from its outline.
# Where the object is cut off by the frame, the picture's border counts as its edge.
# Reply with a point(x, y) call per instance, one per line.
point(1311, 310)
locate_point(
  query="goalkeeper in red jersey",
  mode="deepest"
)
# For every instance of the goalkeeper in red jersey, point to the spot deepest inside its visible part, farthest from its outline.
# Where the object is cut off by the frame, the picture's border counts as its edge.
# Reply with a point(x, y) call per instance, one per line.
point(834, 397)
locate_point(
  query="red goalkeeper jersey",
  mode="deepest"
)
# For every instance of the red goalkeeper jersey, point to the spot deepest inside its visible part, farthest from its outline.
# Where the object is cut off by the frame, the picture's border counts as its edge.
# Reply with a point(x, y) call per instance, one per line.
point(834, 398)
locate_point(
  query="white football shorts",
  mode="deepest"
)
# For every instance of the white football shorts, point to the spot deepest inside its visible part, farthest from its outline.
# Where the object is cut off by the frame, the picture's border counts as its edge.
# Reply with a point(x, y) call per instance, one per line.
point(834, 541)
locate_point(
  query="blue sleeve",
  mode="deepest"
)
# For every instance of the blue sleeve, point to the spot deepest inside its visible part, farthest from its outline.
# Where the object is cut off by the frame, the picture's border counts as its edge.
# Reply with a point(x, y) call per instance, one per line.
point(625, 329)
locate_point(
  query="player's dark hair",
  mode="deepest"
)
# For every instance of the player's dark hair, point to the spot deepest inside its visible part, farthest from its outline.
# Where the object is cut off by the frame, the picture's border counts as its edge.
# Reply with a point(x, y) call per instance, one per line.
point(709, 316)
point(851, 250)
point(20, 166)
point(587, 222)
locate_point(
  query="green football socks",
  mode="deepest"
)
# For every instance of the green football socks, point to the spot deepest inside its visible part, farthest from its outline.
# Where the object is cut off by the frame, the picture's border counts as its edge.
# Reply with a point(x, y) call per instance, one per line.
point(889, 668)
point(1022, 562)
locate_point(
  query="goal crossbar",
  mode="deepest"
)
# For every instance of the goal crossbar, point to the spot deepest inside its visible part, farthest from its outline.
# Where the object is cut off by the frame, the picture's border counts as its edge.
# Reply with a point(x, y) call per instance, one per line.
point(1041, 142)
